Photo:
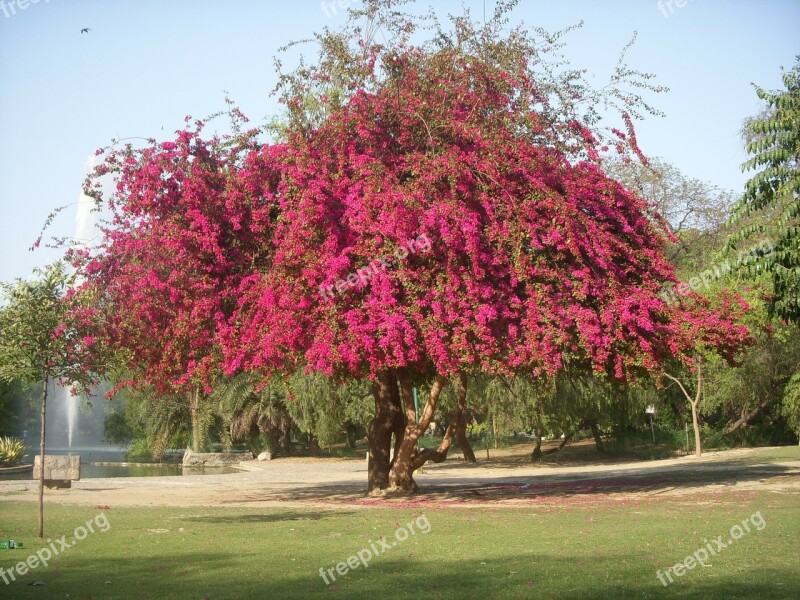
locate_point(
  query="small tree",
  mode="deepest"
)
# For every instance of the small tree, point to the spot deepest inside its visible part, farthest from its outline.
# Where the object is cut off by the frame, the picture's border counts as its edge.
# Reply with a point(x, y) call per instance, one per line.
point(710, 328)
point(40, 341)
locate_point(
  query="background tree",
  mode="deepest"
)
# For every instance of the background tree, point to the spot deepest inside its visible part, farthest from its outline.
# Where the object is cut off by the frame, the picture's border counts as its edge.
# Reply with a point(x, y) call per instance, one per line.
point(741, 395)
point(255, 414)
point(751, 391)
point(791, 403)
point(42, 341)
point(329, 410)
point(771, 201)
point(19, 407)
point(695, 211)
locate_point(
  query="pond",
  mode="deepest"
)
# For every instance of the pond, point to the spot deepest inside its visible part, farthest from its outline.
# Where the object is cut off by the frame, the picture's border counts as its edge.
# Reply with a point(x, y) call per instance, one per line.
point(111, 462)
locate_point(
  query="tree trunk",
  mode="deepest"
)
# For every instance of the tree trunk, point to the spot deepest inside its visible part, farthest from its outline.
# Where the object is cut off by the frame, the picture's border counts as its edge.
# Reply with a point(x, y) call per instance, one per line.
point(696, 424)
point(695, 417)
point(350, 432)
point(694, 403)
point(598, 440)
point(194, 410)
point(286, 433)
point(537, 445)
point(379, 433)
point(41, 460)
point(747, 416)
point(407, 459)
point(398, 417)
point(463, 442)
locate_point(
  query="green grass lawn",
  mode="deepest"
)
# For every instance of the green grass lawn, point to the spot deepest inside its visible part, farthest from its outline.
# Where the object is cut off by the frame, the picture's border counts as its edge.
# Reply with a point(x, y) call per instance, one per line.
point(578, 548)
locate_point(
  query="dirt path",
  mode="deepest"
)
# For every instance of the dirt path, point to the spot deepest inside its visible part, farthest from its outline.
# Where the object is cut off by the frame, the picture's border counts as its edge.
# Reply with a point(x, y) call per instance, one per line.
point(507, 481)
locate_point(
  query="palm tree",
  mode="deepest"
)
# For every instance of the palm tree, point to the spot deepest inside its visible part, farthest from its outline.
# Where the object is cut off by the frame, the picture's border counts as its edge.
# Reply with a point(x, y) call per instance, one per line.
point(247, 411)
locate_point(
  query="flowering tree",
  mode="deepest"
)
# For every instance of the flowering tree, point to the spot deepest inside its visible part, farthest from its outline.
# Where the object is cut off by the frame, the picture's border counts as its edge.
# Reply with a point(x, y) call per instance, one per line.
point(537, 259)
point(181, 235)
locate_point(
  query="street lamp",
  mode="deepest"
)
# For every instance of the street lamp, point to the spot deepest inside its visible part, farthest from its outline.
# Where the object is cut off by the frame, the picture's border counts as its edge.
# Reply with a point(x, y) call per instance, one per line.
point(651, 410)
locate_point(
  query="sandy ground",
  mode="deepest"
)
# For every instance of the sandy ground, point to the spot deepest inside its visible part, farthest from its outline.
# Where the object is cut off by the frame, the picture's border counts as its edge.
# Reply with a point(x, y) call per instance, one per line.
point(507, 480)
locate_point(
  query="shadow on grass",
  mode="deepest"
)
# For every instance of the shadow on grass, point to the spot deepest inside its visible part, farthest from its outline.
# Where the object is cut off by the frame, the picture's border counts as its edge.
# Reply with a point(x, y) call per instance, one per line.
point(622, 480)
point(269, 518)
point(236, 573)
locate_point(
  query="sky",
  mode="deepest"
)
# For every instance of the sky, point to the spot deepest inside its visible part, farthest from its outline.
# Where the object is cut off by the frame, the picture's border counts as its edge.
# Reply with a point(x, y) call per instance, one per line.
point(146, 64)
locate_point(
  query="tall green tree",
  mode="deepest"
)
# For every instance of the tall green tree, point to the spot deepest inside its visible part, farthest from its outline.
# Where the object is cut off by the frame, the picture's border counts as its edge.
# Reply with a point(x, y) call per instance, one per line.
point(41, 341)
point(771, 201)
point(791, 403)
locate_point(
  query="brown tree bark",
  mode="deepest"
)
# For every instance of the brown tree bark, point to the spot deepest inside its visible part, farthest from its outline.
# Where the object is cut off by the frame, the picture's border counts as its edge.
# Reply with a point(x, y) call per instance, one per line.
point(463, 441)
point(747, 416)
point(407, 459)
point(286, 433)
point(696, 424)
point(379, 432)
point(398, 416)
point(536, 454)
point(698, 451)
point(194, 410)
point(598, 440)
point(41, 459)
point(694, 402)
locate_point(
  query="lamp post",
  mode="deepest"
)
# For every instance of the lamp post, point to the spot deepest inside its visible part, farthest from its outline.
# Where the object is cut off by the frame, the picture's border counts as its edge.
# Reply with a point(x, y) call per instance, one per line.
point(651, 410)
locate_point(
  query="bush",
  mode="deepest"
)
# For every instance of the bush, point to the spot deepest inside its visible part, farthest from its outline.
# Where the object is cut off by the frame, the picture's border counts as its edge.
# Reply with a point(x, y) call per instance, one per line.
point(11, 451)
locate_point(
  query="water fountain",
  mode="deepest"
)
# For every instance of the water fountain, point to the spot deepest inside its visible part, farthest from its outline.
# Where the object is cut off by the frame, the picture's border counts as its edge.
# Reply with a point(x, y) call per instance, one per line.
point(72, 414)
point(85, 234)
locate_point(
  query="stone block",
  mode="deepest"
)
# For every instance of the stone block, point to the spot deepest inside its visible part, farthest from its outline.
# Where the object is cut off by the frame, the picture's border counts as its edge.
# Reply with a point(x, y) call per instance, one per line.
point(214, 459)
point(62, 468)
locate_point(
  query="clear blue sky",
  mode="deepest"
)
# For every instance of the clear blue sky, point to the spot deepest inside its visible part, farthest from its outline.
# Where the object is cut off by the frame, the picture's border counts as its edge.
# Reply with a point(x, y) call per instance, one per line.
point(146, 64)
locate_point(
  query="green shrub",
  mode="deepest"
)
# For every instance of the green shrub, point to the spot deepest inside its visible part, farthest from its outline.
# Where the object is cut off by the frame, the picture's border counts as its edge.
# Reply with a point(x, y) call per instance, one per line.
point(11, 451)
